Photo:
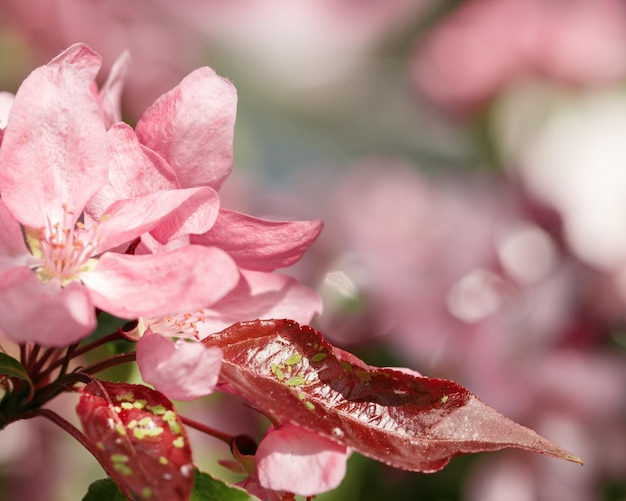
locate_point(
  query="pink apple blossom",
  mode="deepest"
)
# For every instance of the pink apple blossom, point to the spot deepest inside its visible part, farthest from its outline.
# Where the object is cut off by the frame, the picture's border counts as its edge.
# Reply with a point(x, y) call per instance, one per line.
point(291, 459)
point(163, 48)
point(55, 156)
point(483, 46)
point(6, 101)
point(184, 140)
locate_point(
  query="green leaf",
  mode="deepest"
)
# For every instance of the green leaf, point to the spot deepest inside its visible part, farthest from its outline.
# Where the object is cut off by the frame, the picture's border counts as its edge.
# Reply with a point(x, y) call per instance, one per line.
point(12, 368)
point(104, 490)
point(205, 488)
point(208, 488)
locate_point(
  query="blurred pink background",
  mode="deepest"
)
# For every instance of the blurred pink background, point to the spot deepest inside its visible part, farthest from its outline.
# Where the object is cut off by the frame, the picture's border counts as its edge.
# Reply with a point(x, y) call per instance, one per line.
point(469, 161)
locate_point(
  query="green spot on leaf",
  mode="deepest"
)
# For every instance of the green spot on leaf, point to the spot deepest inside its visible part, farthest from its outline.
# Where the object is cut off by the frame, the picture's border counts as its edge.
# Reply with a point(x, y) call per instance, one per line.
point(346, 365)
point(126, 397)
point(294, 359)
point(169, 416)
point(157, 409)
point(119, 458)
point(175, 427)
point(145, 421)
point(140, 433)
point(363, 375)
point(295, 381)
point(123, 469)
point(318, 357)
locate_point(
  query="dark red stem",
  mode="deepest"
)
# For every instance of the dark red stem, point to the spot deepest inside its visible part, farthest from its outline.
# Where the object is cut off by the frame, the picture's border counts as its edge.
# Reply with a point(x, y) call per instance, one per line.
point(84, 441)
point(224, 437)
point(122, 358)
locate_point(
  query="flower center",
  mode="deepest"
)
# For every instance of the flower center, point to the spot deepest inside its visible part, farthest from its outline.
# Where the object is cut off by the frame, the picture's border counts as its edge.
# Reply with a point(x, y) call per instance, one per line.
point(184, 325)
point(64, 249)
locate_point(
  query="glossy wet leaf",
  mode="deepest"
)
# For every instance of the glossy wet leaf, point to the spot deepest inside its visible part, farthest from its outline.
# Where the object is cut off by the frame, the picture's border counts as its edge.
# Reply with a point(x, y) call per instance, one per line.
point(140, 436)
point(407, 421)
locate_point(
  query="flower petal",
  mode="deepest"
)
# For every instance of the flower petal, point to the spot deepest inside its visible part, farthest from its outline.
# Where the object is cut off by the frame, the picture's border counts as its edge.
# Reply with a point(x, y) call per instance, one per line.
point(54, 154)
point(172, 211)
point(192, 128)
point(296, 460)
point(257, 296)
point(260, 244)
point(153, 285)
point(13, 251)
point(43, 313)
point(6, 102)
point(180, 370)
point(261, 296)
point(134, 171)
point(110, 94)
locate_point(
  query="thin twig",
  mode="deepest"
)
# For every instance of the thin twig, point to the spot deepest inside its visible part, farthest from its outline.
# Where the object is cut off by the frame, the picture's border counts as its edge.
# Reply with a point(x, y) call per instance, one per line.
point(69, 354)
point(224, 437)
point(84, 441)
point(101, 365)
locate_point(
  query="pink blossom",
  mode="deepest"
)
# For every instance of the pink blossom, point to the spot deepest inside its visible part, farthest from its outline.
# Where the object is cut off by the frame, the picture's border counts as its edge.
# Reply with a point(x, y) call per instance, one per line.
point(482, 46)
point(291, 459)
point(163, 48)
point(184, 141)
point(180, 370)
point(55, 157)
point(6, 101)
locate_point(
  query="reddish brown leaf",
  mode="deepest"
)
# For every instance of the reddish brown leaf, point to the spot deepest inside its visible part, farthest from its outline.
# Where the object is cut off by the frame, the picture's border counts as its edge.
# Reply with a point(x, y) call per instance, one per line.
point(140, 436)
point(411, 422)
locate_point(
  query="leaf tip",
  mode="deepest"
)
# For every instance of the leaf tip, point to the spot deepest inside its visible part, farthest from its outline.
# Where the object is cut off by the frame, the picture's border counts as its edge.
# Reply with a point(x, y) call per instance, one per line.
point(573, 458)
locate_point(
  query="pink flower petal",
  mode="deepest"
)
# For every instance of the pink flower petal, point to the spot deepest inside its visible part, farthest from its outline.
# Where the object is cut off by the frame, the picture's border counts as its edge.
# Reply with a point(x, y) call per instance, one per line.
point(172, 211)
point(257, 296)
point(134, 171)
point(259, 244)
point(180, 370)
point(54, 151)
point(43, 313)
point(192, 128)
point(110, 95)
point(13, 251)
point(296, 460)
point(261, 296)
point(153, 285)
point(6, 102)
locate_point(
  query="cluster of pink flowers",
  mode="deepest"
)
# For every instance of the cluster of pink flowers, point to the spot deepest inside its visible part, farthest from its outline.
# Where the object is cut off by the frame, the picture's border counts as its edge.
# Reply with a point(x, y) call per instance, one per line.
point(513, 284)
point(98, 216)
